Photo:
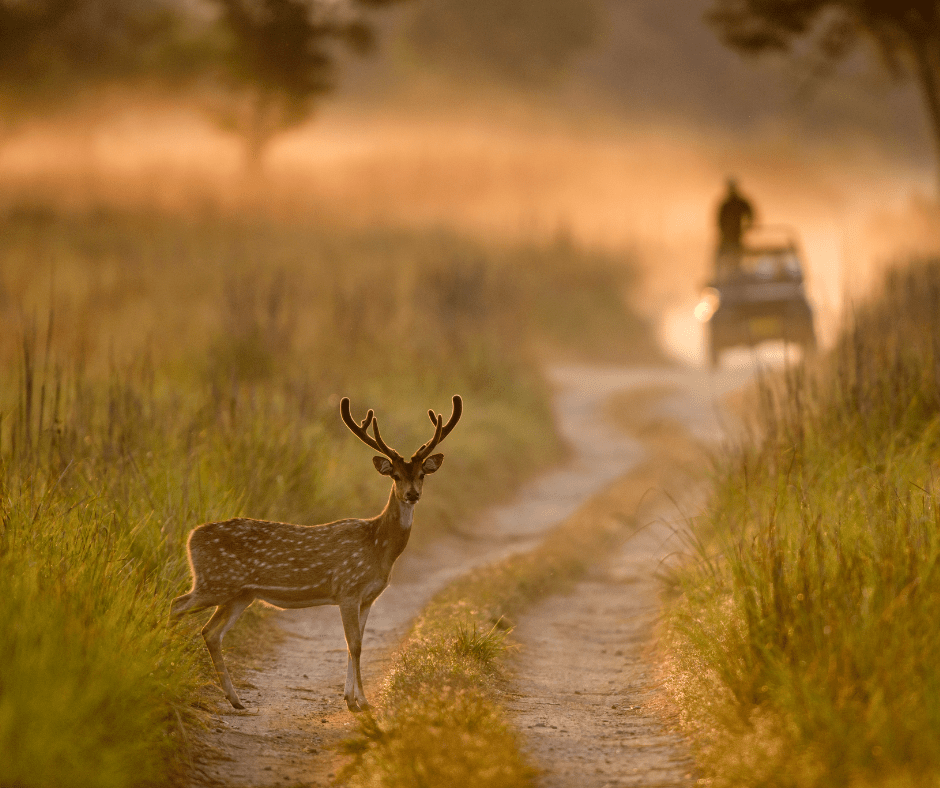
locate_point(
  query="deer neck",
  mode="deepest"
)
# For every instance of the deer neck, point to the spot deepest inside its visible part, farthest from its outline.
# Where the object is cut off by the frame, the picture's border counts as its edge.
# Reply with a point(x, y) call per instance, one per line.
point(395, 524)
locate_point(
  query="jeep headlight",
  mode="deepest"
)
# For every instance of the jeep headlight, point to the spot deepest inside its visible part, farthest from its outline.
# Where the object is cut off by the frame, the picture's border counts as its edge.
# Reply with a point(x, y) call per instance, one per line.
point(708, 305)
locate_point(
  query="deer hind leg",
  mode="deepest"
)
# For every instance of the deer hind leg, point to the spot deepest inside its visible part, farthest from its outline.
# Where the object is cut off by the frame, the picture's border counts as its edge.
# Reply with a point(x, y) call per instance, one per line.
point(221, 622)
point(353, 693)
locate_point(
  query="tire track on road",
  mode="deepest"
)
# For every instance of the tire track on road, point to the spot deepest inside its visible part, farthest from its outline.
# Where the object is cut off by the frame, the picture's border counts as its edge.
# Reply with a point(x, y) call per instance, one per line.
point(584, 689)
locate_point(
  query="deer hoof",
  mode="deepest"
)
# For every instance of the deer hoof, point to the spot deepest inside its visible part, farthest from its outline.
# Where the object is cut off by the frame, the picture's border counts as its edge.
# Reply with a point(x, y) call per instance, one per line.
point(356, 706)
point(236, 703)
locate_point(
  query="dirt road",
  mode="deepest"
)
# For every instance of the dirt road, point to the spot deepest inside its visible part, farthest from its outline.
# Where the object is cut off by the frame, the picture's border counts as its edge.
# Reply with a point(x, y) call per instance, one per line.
point(294, 697)
point(584, 685)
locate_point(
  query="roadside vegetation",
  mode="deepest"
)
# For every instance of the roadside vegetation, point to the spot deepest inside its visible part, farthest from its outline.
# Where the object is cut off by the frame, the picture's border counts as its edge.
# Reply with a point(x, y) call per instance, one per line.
point(804, 644)
point(157, 373)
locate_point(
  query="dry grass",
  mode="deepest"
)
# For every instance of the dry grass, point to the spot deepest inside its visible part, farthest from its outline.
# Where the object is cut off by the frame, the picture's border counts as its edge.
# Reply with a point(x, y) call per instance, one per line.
point(157, 373)
point(804, 646)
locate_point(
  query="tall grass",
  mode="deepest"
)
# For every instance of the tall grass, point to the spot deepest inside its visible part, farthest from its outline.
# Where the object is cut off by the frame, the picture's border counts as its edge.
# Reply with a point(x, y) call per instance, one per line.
point(184, 372)
point(805, 647)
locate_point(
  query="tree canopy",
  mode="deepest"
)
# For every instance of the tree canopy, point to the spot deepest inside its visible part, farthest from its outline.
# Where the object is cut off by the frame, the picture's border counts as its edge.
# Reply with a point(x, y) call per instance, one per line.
point(53, 50)
point(906, 33)
point(277, 57)
point(259, 65)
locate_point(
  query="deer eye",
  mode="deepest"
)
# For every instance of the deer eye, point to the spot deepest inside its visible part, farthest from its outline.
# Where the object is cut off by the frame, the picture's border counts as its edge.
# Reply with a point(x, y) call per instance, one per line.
point(396, 477)
point(420, 475)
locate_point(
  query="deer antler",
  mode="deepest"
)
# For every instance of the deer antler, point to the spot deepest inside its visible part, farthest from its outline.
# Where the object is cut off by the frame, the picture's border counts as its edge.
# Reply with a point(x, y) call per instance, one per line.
point(441, 430)
point(360, 430)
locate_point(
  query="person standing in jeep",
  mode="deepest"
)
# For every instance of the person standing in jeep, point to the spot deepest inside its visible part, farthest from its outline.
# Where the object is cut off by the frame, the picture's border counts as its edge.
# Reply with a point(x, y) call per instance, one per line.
point(735, 215)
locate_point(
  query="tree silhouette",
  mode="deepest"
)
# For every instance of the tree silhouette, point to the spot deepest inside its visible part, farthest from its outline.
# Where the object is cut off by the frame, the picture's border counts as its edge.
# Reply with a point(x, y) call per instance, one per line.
point(278, 57)
point(906, 33)
point(55, 51)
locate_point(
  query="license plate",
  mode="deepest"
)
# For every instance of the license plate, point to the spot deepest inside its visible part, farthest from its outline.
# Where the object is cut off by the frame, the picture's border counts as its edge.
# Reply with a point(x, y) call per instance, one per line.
point(764, 327)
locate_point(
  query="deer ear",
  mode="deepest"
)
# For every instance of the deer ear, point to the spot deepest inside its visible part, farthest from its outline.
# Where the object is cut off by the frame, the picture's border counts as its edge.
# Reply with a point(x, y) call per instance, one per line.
point(432, 463)
point(382, 465)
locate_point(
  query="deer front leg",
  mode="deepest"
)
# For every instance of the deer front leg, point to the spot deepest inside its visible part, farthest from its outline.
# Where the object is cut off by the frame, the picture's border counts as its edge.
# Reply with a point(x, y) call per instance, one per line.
point(221, 622)
point(363, 617)
point(353, 693)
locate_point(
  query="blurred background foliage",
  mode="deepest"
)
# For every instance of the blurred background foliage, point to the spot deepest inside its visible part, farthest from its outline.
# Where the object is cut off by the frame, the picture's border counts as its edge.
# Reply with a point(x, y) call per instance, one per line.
point(520, 42)
point(260, 67)
point(904, 35)
point(56, 51)
point(256, 65)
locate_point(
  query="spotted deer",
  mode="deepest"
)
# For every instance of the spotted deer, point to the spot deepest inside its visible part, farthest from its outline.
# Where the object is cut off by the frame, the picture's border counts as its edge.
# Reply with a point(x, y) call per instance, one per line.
point(345, 563)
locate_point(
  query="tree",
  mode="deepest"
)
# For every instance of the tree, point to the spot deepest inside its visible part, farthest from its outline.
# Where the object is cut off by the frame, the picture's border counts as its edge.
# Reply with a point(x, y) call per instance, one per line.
point(905, 32)
point(54, 51)
point(277, 57)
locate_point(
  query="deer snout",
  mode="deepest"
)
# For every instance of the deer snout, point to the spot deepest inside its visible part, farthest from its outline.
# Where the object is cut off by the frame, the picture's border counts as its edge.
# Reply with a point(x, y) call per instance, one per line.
point(412, 496)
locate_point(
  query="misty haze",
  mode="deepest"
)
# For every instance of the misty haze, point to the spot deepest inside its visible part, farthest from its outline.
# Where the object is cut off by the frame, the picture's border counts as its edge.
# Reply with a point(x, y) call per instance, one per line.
point(672, 266)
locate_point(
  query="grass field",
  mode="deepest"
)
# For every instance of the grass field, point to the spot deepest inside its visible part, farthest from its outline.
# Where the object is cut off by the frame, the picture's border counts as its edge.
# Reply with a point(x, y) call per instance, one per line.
point(804, 643)
point(156, 373)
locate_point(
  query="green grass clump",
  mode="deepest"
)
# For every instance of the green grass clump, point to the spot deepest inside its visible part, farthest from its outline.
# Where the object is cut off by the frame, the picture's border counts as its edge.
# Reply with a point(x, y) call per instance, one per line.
point(89, 680)
point(445, 729)
point(188, 372)
point(483, 646)
point(804, 646)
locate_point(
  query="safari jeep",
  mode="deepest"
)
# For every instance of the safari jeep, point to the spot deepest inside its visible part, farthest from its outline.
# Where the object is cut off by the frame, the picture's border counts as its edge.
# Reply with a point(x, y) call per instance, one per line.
point(757, 295)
